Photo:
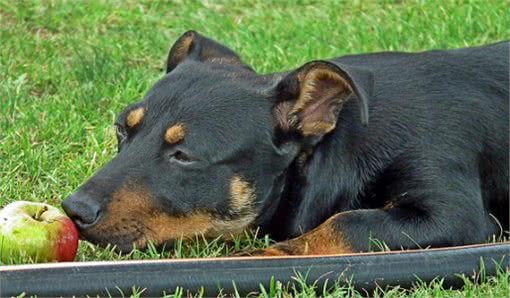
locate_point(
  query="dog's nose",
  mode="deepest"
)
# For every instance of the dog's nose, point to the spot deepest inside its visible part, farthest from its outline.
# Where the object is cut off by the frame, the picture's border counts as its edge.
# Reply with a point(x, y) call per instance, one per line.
point(82, 208)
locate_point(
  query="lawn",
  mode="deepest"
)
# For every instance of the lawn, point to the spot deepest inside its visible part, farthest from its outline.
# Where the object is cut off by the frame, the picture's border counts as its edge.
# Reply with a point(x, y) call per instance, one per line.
point(67, 68)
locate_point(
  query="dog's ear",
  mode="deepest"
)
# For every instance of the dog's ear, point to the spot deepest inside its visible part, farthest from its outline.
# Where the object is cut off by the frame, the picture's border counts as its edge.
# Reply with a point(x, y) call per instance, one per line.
point(192, 45)
point(309, 99)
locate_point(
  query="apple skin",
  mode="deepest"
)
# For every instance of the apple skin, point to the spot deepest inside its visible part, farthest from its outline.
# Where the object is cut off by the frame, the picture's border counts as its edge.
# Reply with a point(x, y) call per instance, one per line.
point(36, 230)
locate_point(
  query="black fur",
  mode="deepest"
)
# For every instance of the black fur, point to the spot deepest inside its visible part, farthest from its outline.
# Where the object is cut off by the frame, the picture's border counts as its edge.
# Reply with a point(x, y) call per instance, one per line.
point(429, 169)
point(437, 145)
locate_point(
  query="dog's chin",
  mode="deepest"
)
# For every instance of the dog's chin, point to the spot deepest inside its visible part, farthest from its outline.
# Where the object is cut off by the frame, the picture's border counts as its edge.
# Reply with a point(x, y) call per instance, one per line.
point(123, 247)
point(119, 243)
point(126, 247)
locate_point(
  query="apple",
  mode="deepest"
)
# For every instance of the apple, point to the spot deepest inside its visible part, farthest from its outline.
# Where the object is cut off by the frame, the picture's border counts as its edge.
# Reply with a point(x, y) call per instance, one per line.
point(36, 230)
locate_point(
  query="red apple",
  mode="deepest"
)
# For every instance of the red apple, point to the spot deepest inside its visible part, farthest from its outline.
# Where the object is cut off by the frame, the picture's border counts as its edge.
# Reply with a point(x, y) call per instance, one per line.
point(36, 230)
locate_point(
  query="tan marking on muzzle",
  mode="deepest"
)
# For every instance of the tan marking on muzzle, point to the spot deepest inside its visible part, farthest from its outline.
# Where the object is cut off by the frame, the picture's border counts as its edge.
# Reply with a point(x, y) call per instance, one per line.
point(135, 117)
point(175, 133)
point(132, 210)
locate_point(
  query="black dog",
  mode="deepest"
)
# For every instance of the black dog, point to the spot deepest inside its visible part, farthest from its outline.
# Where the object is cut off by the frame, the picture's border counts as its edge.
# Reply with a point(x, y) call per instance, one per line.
point(215, 148)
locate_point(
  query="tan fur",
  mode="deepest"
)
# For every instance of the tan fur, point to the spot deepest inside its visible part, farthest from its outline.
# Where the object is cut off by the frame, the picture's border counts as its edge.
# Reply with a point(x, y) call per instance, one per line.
point(316, 85)
point(323, 240)
point(309, 82)
point(230, 228)
point(135, 117)
point(270, 252)
point(242, 195)
point(132, 212)
point(316, 128)
point(175, 133)
point(182, 49)
point(281, 115)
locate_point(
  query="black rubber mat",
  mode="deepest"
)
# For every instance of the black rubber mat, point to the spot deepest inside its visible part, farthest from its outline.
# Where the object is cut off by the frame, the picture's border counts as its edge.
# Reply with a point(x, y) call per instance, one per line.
point(366, 271)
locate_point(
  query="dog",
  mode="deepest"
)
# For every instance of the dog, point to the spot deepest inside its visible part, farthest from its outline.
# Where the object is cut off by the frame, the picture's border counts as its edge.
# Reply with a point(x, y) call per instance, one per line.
point(409, 149)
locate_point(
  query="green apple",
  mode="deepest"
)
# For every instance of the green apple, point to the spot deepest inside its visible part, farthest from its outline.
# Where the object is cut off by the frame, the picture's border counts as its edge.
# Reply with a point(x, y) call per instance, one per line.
point(36, 230)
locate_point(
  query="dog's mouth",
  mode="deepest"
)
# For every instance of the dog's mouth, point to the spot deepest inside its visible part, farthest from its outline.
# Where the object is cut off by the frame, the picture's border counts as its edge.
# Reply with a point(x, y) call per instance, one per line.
point(125, 234)
point(126, 243)
point(122, 238)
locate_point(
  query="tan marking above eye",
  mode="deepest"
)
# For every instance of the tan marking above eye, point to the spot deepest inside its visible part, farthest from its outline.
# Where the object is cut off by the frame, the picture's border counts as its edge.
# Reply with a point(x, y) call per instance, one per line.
point(175, 133)
point(134, 117)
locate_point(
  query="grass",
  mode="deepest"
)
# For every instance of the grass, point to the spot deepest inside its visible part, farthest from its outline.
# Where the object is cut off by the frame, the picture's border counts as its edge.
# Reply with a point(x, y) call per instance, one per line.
point(494, 286)
point(66, 68)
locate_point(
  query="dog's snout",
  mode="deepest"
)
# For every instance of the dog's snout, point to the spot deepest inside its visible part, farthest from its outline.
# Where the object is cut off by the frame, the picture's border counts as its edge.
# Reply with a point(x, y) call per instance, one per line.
point(83, 209)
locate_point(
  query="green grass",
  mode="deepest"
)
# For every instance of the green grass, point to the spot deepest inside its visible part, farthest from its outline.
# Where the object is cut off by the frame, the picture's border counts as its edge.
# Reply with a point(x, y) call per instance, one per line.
point(67, 67)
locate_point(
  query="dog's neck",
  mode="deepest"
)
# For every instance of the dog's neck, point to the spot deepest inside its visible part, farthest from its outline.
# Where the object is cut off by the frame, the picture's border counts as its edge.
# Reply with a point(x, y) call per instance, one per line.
point(309, 191)
point(283, 197)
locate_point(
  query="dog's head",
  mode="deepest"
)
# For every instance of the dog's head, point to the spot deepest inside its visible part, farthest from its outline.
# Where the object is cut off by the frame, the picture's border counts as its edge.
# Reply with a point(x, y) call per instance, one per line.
point(206, 149)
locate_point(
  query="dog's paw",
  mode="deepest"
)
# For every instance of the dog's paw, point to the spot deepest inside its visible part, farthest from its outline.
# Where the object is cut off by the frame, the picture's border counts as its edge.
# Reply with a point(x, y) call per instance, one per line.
point(279, 249)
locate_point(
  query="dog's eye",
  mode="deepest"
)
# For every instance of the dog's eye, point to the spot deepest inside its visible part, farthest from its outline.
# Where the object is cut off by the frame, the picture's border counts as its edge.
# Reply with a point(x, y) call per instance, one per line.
point(181, 157)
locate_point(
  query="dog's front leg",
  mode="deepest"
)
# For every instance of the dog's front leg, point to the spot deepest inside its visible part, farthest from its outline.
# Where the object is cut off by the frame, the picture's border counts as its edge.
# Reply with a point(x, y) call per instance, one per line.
point(365, 230)
point(323, 240)
point(447, 209)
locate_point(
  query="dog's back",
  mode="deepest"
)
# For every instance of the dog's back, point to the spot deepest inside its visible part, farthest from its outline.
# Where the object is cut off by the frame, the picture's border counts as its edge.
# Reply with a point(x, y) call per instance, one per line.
point(451, 106)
